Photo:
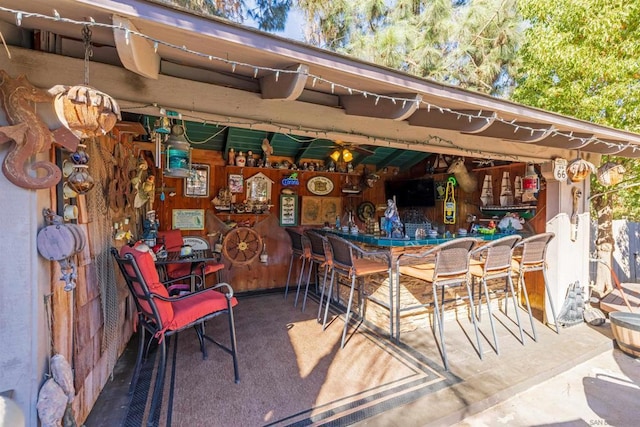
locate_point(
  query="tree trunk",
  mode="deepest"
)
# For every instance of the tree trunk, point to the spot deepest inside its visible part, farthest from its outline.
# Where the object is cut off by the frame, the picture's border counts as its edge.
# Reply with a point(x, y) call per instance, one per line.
point(604, 245)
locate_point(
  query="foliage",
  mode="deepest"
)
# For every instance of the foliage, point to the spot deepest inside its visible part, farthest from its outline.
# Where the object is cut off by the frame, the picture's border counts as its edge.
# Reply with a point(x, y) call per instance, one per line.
point(580, 58)
point(471, 44)
point(270, 15)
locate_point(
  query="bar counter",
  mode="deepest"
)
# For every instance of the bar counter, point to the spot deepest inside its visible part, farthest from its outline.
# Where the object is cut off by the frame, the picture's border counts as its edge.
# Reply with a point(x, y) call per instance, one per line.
point(386, 242)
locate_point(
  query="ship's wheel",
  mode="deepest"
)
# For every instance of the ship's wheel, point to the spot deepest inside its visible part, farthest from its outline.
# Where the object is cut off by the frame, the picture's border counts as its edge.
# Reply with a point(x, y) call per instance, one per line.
point(241, 245)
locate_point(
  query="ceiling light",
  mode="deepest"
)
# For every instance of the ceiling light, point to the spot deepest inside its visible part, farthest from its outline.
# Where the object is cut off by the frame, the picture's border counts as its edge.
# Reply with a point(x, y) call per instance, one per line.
point(347, 155)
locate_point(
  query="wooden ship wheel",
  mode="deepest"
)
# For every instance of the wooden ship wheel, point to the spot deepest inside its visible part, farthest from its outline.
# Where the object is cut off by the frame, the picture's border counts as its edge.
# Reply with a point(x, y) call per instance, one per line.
point(241, 245)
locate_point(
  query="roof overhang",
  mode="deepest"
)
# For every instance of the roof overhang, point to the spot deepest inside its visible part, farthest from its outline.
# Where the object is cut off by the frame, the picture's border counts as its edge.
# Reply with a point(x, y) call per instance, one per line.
point(214, 71)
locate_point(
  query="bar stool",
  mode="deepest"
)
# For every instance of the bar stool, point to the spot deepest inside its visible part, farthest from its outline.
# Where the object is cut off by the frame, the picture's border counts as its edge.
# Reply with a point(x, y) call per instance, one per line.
point(533, 258)
point(356, 263)
point(320, 257)
point(297, 250)
point(443, 266)
point(493, 261)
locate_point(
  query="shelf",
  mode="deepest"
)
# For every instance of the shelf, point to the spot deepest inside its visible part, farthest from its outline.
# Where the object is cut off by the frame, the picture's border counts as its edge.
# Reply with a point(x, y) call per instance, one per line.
point(525, 211)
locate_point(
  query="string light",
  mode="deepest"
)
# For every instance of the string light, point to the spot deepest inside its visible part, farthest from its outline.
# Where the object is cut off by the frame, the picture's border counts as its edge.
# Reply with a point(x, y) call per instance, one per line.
point(20, 15)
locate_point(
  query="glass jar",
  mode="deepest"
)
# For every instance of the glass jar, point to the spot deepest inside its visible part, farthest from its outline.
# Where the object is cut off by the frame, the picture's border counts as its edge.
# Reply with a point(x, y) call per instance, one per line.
point(80, 181)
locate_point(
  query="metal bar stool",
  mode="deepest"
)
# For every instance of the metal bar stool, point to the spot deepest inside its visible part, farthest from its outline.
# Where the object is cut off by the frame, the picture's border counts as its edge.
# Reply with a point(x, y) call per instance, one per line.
point(320, 258)
point(354, 262)
point(493, 261)
point(443, 266)
point(533, 258)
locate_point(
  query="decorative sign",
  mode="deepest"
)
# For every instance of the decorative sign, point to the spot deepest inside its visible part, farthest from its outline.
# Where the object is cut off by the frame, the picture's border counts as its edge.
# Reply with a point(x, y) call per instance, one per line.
point(188, 219)
point(236, 183)
point(320, 185)
point(560, 169)
point(318, 210)
point(288, 210)
point(291, 180)
point(197, 183)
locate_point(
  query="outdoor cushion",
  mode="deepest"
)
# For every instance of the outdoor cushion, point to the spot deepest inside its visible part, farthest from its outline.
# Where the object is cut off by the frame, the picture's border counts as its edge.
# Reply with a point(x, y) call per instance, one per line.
point(150, 275)
point(192, 307)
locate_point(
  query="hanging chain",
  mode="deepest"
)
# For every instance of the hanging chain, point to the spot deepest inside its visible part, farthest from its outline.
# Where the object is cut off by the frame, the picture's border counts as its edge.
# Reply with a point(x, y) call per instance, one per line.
point(88, 51)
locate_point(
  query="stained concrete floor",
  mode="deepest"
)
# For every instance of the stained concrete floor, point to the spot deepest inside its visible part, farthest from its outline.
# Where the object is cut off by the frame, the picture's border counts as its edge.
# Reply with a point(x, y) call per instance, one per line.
point(576, 377)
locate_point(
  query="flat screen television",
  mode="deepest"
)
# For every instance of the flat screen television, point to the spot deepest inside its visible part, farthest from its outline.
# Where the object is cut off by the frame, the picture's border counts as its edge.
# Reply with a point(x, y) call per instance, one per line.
point(411, 193)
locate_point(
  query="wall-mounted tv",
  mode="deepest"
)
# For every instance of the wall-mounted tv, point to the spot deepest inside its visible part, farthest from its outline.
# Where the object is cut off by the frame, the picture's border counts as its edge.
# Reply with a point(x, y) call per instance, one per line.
point(411, 193)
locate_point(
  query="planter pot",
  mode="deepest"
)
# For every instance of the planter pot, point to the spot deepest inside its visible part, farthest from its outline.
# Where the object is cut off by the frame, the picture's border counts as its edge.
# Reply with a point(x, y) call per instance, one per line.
point(626, 331)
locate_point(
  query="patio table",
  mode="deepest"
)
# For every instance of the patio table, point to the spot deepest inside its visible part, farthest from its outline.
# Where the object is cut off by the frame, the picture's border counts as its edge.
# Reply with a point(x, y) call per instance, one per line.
point(198, 257)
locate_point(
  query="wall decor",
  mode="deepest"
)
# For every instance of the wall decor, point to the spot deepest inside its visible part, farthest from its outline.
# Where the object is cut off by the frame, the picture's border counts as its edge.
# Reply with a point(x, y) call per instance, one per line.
point(318, 210)
point(236, 183)
point(197, 183)
point(188, 219)
point(320, 185)
point(288, 210)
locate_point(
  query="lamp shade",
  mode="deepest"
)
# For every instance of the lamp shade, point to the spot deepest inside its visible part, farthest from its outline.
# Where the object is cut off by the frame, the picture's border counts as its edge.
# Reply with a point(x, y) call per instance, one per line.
point(335, 156)
point(347, 155)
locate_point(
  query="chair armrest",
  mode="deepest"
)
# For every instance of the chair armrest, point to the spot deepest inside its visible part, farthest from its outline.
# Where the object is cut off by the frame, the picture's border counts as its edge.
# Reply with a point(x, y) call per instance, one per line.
point(418, 258)
point(373, 253)
point(228, 294)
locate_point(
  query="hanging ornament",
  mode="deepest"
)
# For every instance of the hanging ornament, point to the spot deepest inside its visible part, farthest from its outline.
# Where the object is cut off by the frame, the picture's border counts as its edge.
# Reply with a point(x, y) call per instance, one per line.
point(610, 174)
point(80, 181)
point(80, 156)
point(86, 111)
point(579, 169)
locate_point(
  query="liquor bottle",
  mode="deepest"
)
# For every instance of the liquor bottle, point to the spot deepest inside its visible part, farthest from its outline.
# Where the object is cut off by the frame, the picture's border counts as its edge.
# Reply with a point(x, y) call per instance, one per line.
point(450, 203)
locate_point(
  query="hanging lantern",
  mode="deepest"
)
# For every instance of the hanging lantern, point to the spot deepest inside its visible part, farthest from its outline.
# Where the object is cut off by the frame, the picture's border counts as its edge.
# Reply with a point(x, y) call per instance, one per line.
point(531, 180)
point(610, 174)
point(178, 154)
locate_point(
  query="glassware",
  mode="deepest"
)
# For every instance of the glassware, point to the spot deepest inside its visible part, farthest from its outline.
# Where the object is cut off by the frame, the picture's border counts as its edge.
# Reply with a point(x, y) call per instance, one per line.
point(80, 181)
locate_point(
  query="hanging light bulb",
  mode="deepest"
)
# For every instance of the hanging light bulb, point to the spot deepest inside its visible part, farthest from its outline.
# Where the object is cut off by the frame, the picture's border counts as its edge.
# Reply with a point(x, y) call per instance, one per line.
point(178, 154)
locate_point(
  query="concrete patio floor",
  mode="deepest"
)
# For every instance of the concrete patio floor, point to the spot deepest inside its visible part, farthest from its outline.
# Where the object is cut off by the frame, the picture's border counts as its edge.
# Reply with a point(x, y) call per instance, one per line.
point(576, 377)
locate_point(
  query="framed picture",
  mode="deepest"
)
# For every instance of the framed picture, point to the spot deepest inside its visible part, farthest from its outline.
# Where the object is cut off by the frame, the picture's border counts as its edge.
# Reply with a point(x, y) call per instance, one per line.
point(236, 183)
point(318, 210)
point(288, 210)
point(196, 184)
point(188, 219)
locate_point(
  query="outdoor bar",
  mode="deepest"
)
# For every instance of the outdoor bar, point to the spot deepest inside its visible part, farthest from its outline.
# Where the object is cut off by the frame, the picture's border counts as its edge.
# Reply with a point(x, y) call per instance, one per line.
point(204, 156)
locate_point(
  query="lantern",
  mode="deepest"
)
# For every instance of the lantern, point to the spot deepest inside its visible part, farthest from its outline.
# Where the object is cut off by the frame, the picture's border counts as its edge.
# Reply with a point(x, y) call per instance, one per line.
point(579, 169)
point(178, 154)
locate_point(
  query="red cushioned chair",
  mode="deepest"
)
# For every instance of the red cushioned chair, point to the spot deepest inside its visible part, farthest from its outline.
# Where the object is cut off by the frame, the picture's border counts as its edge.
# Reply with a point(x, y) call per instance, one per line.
point(173, 242)
point(163, 316)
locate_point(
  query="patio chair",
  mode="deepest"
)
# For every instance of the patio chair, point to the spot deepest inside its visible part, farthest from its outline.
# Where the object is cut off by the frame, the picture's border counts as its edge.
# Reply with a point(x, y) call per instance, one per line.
point(173, 241)
point(443, 266)
point(532, 257)
point(356, 263)
point(493, 261)
point(163, 316)
point(321, 256)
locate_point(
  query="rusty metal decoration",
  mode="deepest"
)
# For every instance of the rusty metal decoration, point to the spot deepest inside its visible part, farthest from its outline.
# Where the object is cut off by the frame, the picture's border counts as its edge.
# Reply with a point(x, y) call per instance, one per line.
point(28, 132)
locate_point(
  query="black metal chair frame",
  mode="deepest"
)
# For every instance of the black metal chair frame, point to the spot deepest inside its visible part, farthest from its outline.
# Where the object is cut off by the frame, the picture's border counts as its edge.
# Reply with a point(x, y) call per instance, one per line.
point(344, 255)
point(454, 257)
point(152, 323)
